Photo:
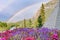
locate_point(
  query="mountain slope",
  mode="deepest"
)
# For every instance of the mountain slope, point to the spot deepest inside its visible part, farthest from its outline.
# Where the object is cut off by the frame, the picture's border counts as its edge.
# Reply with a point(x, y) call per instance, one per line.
point(49, 7)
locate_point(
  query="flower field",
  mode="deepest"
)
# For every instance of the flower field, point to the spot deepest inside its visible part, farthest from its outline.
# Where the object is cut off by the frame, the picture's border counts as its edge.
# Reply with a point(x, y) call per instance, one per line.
point(31, 34)
point(29, 20)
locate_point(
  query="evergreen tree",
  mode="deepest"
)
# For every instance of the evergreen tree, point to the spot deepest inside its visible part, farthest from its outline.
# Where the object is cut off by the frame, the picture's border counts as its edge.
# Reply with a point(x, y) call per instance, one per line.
point(41, 17)
point(24, 23)
point(42, 13)
point(40, 21)
point(35, 23)
point(30, 22)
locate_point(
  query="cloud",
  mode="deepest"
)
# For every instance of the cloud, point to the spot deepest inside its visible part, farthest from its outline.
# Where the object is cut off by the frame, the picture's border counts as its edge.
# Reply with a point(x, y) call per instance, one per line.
point(26, 13)
point(5, 3)
point(9, 7)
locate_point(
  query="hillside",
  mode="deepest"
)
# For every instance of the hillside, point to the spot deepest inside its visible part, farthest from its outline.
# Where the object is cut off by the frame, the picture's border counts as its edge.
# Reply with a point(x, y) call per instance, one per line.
point(49, 7)
point(32, 22)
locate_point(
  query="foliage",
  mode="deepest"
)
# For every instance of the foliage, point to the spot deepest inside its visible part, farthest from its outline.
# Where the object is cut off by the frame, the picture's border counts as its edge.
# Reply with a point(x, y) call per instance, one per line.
point(41, 17)
point(3, 24)
point(24, 23)
point(30, 22)
point(40, 21)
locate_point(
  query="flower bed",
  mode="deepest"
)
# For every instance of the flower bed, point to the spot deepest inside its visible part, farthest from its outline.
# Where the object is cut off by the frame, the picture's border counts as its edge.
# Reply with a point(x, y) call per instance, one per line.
point(31, 34)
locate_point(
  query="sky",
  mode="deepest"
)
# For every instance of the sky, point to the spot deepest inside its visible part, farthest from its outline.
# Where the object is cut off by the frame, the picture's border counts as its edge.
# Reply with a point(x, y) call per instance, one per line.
point(25, 13)
point(9, 7)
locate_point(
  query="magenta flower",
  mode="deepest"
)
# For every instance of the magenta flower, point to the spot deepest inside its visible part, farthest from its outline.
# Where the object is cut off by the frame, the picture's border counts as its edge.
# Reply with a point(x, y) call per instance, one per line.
point(55, 36)
point(29, 38)
point(2, 39)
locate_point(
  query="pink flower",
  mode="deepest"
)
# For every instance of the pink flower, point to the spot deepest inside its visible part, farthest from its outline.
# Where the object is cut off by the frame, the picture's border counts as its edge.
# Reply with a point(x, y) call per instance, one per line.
point(29, 38)
point(8, 33)
point(55, 36)
point(2, 39)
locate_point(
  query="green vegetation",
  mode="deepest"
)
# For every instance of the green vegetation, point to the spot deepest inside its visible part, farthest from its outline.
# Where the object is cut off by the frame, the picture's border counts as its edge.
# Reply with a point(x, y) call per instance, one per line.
point(41, 18)
point(32, 22)
point(3, 24)
point(40, 21)
point(24, 23)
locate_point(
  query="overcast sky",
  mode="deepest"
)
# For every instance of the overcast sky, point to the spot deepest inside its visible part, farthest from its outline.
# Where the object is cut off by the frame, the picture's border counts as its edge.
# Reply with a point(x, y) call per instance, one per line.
point(10, 7)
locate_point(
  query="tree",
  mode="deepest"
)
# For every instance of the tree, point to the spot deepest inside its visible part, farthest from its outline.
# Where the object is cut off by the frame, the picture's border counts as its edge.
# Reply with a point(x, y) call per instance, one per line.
point(35, 23)
point(41, 17)
point(24, 23)
point(40, 21)
point(16, 25)
point(30, 22)
point(42, 14)
point(3, 24)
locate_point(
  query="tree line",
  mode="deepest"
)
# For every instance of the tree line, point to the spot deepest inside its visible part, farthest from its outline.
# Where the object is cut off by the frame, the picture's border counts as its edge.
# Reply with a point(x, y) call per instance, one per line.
point(35, 23)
